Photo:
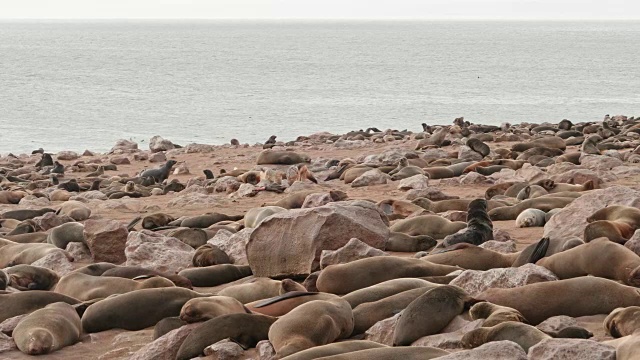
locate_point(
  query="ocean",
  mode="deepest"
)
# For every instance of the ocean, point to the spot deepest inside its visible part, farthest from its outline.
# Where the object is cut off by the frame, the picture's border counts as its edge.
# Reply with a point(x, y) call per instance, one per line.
point(76, 85)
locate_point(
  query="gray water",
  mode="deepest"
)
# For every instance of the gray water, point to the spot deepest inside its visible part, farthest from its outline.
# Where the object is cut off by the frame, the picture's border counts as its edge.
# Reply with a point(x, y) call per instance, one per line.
point(83, 85)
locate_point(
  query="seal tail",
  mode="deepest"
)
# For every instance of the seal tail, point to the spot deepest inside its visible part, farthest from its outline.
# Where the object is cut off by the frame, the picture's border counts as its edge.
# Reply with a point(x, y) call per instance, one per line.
point(133, 223)
point(539, 251)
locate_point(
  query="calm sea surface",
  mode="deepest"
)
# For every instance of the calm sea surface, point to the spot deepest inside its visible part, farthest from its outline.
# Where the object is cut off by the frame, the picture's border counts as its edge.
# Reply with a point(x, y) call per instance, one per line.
point(83, 85)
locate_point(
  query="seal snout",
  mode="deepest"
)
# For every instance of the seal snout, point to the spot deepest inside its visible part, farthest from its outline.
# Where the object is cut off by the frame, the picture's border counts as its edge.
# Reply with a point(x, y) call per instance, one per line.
point(40, 342)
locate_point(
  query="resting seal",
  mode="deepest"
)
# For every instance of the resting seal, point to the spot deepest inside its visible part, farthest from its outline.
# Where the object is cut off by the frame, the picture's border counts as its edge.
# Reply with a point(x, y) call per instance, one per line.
point(383, 290)
point(522, 334)
point(14, 304)
point(27, 277)
point(260, 288)
point(47, 330)
point(342, 347)
point(62, 235)
point(471, 257)
point(494, 314)
point(617, 223)
point(87, 287)
point(282, 304)
point(202, 309)
point(209, 254)
point(531, 218)
point(216, 274)
point(541, 203)
point(623, 321)
point(267, 157)
point(406, 243)
point(431, 225)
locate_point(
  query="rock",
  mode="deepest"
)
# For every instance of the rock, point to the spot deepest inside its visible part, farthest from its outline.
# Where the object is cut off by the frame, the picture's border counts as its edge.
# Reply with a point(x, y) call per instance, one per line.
point(450, 337)
point(155, 251)
point(475, 282)
point(224, 350)
point(78, 251)
point(245, 190)
point(382, 331)
point(90, 195)
point(157, 192)
point(561, 167)
point(181, 169)
point(157, 144)
point(572, 219)
point(454, 215)
point(500, 235)
point(165, 347)
point(195, 200)
point(578, 176)
point(418, 182)
point(143, 156)
point(31, 200)
point(467, 154)
point(106, 240)
point(7, 326)
point(67, 155)
point(633, 243)
point(56, 261)
point(88, 153)
point(199, 148)
point(571, 349)
point(505, 247)
point(556, 323)
point(625, 171)
point(434, 154)
point(527, 173)
point(51, 220)
point(495, 350)
point(371, 177)
point(599, 163)
point(316, 200)
point(298, 186)
point(158, 157)
point(266, 350)
point(124, 145)
point(119, 160)
point(474, 178)
point(272, 250)
point(353, 250)
point(431, 193)
point(6, 343)
point(227, 184)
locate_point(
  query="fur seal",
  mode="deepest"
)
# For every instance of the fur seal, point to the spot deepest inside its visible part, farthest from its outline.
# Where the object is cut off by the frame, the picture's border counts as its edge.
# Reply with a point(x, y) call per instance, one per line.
point(623, 321)
point(498, 189)
point(194, 237)
point(166, 325)
point(75, 210)
point(514, 190)
point(206, 220)
point(392, 353)
point(27, 277)
point(431, 225)
point(62, 235)
point(209, 254)
point(618, 223)
point(384, 289)
point(25, 214)
point(401, 242)
point(293, 332)
point(131, 272)
point(600, 257)
point(272, 157)
point(522, 334)
point(541, 203)
point(531, 192)
point(216, 274)
point(552, 142)
point(342, 347)
point(282, 304)
point(494, 314)
point(47, 330)
point(441, 304)
point(345, 278)
point(553, 246)
point(478, 146)
point(451, 204)
point(123, 311)
point(19, 303)
point(244, 329)
point(439, 172)
point(597, 296)
point(479, 227)
point(589, 146)
point(14, 253)
point(471, 257)
point(531, 218)
point(260, 288)
point(154, 221)
point(202, 309)
point(160, 174)
point(87, 287)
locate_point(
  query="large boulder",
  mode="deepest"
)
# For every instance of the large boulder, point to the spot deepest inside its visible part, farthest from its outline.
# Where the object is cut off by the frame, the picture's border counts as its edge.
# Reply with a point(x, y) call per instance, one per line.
point(165, 347)
point(599, 162)
point(572, 219)
point(67, 155)
point(371, 177)
point(290, 243)
point(155, 251)
point(106, 240)
point(224, 350)
point(572, 349)
point(124, 145)
point(382, 331)
point(157, 144)
point(57, 261)
point(352, 251)
point(419, 182)
point(234, 245)
point(467, 154)
point(495, 350)
point(450, 338)
point(474, 281)
point(578, 176)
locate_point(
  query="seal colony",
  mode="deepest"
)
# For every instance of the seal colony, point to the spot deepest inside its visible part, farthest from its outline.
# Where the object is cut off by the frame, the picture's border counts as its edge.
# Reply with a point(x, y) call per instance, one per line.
point(329, 246)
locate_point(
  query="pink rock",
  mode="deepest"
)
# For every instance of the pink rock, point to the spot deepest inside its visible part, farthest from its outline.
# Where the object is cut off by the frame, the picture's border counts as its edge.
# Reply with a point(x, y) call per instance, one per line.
point(550, 349)
point(353, 250)
point(67, 155)
point(6, 343)
point(181, 169)
point(157, 157)
point(7, 326)
point(227, 184)
point(155, 251)
point(106, 240)
point(572, 219)
point(371, 177)
point(474, 178)
point(266, 350)
point(500, 235)
point(505, 247)
point(78, 251)
point(382, 331)
point(157, 143)
point(124, 145)
point(315, 200)
point(633, 243)
point(578, 176)
point(495, 350)
point(467, 154)
point(120, 160)
point(233, 244)
point(291, 242)
point(599, 162)
point(165, 347)
point(450, 337)
point(224, 350)
point(475, 282)
point(431, 193)
point(141, 156)
point(51, 220)
point(419, 182)
point(57, 261)
point(556, 323)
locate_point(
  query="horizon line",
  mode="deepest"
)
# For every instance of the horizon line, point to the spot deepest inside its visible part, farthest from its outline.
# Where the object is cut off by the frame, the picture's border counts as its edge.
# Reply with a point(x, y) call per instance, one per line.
point(318, 19)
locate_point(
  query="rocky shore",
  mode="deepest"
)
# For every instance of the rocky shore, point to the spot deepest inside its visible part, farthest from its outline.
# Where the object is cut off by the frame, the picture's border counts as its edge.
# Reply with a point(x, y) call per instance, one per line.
point(465, 241)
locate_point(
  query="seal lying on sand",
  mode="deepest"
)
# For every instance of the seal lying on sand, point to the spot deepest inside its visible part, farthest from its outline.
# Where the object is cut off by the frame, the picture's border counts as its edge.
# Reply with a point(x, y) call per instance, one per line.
point(47, 330)
point(479, 226)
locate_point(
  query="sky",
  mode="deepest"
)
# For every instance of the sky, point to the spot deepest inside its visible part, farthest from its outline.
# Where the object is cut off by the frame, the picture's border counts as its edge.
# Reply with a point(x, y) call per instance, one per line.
point(320, 9)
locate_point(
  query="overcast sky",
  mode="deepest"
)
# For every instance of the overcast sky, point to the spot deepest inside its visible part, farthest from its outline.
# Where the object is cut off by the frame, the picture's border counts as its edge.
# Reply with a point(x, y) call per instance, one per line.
point(321, 9)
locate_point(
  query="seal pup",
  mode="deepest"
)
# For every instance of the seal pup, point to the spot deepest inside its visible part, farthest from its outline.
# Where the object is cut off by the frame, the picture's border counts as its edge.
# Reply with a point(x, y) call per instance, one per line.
point(531, 218)
point(209, 254)
point(160, 174)
point(47, 330)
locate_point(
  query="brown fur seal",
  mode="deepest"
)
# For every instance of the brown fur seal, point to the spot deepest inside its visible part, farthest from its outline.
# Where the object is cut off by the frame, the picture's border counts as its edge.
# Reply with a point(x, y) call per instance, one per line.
point(342, 347)
point(582, 296)
point(47, 330)
point(282, 304)
point(254, 216)
point(541, 203)
point(478, 146)
point(431, 225)
point(75, 210)
point(553, 142)
point(153, 221)
point(449, 205)
point(202, 309)
point(13, 253)
point(206, 220)
point(131, 272)
point(401, 242)
point(494, 314)
point(260, 288)
point(531, 192)
point(216, 274)
point(599, 257)
point(553, 246)
point(27, 277)
point(522, 334)
point(623, 321)
point(62, 235)
point(618, 223)
point(244, 329)
point(514, 190)
point(167, 325)
point(87, 287)
point(479, 227)
point(160, 174)
point(440, 304)
point(19, 303)
point(345, 278)
point(209, 254)
point(439, 172)
point(498, 189)
point(25, 214)
point(267, 157)
point(384, 289)
point(472, 257)
point(392, 353)
point(123, 311)
point(293, 332)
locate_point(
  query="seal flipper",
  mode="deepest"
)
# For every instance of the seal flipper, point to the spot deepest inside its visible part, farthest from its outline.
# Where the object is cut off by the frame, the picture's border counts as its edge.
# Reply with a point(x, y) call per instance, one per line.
point(539, 251)
point(133, 223)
